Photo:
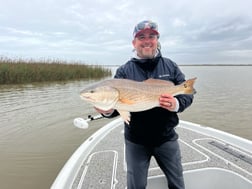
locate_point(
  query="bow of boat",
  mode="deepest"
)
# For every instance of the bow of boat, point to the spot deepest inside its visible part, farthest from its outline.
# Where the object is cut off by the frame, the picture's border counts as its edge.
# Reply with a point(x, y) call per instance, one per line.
point(219, 159)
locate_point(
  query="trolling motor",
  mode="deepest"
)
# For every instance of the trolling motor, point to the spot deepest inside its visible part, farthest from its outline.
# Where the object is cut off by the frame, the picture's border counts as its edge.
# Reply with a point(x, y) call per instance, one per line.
point(83, 123)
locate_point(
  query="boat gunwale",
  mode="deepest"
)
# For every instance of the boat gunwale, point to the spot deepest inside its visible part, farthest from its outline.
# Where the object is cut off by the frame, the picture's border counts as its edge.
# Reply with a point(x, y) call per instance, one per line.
point(229, 138)
point(69, 171)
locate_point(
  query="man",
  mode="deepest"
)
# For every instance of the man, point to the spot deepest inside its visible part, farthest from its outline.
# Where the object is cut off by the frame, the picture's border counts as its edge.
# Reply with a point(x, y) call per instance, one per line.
point(151, 132)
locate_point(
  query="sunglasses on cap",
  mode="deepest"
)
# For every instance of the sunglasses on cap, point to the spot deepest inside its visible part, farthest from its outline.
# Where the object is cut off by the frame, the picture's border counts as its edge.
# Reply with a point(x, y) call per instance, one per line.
point(145, 25)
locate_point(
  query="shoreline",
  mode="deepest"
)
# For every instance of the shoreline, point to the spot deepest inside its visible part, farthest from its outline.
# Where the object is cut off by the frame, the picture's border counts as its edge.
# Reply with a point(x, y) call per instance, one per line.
point(193, 65)
point(28, 71)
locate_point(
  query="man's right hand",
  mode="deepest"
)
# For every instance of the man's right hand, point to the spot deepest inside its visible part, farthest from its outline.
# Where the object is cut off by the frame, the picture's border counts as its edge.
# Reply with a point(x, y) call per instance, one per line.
point(104, 112)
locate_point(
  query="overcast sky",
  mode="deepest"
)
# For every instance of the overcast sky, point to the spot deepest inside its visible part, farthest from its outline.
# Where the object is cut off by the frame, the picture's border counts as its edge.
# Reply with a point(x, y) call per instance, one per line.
point(100, 31)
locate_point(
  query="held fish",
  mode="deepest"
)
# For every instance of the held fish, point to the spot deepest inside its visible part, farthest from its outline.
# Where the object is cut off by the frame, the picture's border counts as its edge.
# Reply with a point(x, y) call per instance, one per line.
point(126, 95)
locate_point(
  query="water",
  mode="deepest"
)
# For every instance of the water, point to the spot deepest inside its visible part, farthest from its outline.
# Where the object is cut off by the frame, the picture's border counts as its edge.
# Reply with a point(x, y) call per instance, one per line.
point(36, 132)
point(223, 98)
point(37, 135)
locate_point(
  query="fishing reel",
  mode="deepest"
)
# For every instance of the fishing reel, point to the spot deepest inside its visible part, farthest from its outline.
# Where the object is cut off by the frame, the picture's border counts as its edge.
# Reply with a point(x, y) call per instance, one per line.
point(83, 123)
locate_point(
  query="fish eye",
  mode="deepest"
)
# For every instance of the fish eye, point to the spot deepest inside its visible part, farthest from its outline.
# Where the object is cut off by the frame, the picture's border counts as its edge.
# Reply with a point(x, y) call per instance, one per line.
point(91, 91)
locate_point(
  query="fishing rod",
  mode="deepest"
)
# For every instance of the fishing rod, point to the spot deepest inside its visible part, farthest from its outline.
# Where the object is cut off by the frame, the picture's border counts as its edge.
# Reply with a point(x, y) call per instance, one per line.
point(83, 123)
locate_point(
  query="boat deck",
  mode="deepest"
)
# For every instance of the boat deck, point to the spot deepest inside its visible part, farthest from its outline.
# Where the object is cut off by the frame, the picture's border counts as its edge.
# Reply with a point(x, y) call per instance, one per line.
point(211, 159)
point(104, 167)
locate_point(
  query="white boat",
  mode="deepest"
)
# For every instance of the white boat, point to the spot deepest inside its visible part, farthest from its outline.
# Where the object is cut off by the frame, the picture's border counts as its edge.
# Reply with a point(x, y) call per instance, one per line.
point(211, 159)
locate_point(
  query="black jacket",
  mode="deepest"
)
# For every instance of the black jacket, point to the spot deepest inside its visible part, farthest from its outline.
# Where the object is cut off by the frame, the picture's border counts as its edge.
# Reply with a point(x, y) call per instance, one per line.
point(155, 126)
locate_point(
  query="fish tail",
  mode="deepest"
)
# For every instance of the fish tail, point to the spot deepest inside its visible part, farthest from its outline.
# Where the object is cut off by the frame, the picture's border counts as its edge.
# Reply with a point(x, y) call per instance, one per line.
point(188, 86)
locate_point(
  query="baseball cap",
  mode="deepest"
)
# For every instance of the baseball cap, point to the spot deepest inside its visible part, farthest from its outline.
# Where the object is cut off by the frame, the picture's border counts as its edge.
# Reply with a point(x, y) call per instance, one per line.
point(144, 25)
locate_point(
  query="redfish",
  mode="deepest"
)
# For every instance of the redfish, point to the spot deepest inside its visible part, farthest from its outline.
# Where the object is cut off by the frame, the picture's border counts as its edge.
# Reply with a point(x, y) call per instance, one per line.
point(126, 95)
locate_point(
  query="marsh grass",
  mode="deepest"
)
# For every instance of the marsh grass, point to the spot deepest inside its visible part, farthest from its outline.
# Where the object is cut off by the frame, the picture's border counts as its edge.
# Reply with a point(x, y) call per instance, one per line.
point(19, 71)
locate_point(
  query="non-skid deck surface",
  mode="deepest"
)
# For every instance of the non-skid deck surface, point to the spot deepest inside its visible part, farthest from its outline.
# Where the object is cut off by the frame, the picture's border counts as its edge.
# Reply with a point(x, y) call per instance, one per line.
point(105, 166)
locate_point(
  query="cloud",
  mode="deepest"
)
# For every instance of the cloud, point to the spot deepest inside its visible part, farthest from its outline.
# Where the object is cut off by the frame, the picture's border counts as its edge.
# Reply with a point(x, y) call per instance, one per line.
point(100, 31)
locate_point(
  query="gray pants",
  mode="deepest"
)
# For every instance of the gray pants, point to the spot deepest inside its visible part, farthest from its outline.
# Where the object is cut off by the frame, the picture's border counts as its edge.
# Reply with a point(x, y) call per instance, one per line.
point(167, 156)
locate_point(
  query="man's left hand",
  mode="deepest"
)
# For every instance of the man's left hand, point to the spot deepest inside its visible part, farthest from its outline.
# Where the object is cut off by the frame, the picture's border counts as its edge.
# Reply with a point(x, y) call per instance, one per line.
point(168, 102)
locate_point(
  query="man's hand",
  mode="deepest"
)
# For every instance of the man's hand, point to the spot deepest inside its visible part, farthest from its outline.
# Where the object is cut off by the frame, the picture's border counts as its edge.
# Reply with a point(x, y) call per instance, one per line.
point(104, 112)
point(168, 102)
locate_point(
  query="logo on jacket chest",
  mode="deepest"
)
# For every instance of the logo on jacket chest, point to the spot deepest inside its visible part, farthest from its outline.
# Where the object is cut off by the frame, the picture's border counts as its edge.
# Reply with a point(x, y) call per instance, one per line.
point(163, 75)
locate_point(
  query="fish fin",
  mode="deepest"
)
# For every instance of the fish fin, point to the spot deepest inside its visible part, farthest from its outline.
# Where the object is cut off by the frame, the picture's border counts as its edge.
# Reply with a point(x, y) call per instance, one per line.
point(126, 101)
point(125, 115)
point(159, 82)
point(188, 86)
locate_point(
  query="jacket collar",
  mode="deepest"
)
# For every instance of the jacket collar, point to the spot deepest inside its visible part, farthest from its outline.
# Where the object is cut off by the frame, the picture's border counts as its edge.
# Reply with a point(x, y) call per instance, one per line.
point(147, 64)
